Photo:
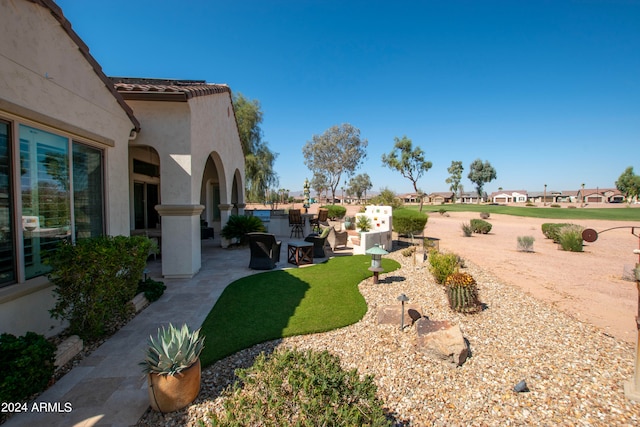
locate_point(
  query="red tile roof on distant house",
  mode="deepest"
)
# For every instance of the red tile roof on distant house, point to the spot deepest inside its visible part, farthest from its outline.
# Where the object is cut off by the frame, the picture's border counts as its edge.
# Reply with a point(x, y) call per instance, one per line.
point(165, 89)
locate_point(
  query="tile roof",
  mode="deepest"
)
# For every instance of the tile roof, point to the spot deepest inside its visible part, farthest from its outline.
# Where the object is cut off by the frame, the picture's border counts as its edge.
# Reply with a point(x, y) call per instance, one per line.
point(165, 89)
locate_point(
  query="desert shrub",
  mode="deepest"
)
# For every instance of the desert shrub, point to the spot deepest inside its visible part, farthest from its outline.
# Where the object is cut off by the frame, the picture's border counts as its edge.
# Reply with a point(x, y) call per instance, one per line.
point(94, 281)
point(442, 265)
point(480, 226)
point(442, 211)
point(571, 207)
point(554, 205)
point(335, 211)
point(407, 252)
point(570, 238)
point(525, 243)
point(152, 289)
point(309, 388)
point(239, 225)
point(467, 231)
point(27, 365)
point(407, 221)
point(485, 215)
point(529, 204)
point(462, 293)
point(551, 230)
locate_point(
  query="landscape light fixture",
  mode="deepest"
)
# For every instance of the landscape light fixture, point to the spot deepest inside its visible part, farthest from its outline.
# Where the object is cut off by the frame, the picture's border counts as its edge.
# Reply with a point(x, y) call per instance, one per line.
point(403, 298)
point(376, 253)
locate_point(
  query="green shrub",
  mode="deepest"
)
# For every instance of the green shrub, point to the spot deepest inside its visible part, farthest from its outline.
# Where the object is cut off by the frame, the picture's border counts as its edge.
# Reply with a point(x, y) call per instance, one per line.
point(239, 225)
point(387, 197)
point(442, 265)
point(363, 223)
point(525, 243)
point(442, 211)
point(95, 280)
point(480, 226)
point(467, 231)
point(335, 211)
point(570, 238)
point(302, 389)
point(554, 205)
point(27, 365)
point(529, 204)
point(552, 230)
point(151, 288)
point(408, 221)
point(407, 252)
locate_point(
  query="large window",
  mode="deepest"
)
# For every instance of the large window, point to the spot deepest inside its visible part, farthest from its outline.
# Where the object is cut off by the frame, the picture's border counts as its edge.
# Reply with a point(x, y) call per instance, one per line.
point(7, 250)
point(60, 197)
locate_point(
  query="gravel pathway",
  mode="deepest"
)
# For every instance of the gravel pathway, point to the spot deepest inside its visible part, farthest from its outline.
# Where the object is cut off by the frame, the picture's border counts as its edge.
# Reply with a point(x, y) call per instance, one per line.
point(574, 371)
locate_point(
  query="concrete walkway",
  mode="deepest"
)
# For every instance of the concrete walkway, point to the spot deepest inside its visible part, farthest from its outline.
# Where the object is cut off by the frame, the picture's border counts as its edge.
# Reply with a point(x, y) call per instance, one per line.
point(108, 387)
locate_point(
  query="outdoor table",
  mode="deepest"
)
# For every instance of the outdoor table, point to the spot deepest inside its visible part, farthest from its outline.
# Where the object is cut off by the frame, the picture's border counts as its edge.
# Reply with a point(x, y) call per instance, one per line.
point(300, 253)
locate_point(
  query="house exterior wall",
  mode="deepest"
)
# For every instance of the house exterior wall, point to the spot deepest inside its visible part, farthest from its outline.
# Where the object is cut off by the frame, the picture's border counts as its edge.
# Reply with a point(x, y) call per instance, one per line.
point(185, 135)
point(47, 83)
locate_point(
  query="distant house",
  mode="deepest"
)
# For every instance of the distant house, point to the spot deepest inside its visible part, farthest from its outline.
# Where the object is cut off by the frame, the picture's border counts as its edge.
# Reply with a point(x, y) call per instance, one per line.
point(84, 156)
point(412, 198)
point(441, 197)
point(470, 198)
point(511, 196)
point(600, 195)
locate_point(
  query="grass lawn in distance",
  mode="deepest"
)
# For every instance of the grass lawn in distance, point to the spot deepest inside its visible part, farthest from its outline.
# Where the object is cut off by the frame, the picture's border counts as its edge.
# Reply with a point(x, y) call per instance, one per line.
point(282, 303)
point(613, 214)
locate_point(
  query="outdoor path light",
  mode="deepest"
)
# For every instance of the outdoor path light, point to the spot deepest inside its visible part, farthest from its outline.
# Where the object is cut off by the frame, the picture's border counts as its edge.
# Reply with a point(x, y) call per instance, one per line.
point(404, 299)
point(376, 253)
point(631, 387)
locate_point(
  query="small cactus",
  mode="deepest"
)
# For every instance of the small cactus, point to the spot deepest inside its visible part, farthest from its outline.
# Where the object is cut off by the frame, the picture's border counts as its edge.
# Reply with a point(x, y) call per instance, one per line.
point(462, 293)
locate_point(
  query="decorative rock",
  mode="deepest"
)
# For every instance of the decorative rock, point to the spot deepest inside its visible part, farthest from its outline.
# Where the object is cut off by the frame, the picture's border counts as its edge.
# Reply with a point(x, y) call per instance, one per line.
point(442, 340)
point(139, 302)
point(67, 350)
point(391, 314)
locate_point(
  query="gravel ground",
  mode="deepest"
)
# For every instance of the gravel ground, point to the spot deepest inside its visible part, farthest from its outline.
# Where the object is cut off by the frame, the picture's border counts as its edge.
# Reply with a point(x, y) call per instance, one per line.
point(574, 371)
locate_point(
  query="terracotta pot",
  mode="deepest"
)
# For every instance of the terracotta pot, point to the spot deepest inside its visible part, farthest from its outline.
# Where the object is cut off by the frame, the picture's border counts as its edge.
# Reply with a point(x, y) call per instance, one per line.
point(169, 393)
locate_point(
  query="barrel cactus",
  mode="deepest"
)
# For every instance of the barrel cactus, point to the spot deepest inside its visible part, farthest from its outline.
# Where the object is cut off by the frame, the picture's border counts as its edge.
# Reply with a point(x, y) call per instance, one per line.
point(462, 293)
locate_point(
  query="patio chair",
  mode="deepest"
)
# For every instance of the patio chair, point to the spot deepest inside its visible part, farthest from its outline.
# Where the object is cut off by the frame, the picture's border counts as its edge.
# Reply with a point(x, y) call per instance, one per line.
point(337, 238)
point(319, 240)
point(296, 222)
point(321, 219)
point(265, 251)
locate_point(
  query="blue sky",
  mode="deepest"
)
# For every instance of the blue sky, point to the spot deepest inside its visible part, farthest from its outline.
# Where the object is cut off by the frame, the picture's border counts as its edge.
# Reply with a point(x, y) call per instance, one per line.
point(547, 91)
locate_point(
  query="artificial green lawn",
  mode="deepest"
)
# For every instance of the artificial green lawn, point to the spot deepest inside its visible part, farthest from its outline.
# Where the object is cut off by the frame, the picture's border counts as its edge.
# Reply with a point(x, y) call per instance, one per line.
point(614, 214)
point(283, 303)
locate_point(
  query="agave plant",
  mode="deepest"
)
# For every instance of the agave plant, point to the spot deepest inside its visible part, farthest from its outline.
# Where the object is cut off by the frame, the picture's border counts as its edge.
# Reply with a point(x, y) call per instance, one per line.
point(172, 350)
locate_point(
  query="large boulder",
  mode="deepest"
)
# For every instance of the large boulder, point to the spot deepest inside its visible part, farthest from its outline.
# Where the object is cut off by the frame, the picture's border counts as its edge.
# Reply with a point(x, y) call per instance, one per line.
point(442, 340)
point(392, 314)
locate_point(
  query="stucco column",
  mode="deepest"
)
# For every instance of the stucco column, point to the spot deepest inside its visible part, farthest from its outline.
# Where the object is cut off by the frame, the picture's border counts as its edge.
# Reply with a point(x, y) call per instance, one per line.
point(225, 212)
point(181, 251)
point(241, 207)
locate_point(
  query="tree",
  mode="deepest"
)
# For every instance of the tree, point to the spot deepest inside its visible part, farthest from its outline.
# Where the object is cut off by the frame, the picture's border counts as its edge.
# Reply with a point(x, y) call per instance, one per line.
point(408, 161)
point(480, 174)
point(387, 197)
point(339, 150)
point(455, 170)
point(629, 184)
point(359, 184)
point(259, 159)
point(320, 185)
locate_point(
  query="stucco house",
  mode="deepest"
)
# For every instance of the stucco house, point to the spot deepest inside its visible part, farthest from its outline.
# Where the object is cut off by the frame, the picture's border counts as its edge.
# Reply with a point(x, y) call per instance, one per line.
point(600, 195)
point(510, 196)
point(83, 155)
